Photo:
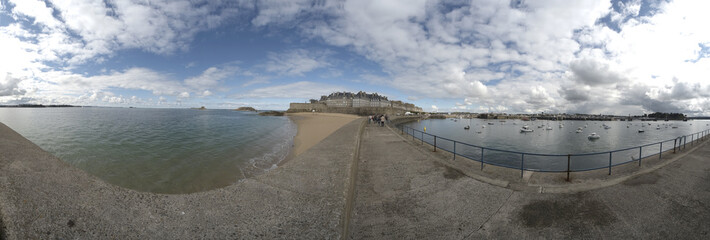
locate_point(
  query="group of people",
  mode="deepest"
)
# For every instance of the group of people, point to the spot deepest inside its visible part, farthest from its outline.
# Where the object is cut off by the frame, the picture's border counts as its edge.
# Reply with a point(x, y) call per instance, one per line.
point(379, 119)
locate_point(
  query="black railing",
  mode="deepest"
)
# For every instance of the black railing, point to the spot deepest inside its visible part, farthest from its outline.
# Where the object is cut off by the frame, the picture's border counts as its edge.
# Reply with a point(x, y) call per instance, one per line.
point(552, 162)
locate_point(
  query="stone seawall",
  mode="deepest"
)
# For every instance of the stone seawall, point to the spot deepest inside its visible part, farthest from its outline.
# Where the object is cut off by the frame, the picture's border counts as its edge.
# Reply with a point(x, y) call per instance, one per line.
point(397, 120)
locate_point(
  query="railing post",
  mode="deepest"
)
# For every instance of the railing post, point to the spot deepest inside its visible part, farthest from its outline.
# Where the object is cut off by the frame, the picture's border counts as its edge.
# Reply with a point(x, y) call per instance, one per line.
point(482, 159)
point(422, 138)
point(640, 155)
point(454, 150)
point(691, 139)
point(660, 151)
point(685, 141)
point(568, 158)
point(434, 143)
point(674, 140)
point(522, 164)
point(609, 163)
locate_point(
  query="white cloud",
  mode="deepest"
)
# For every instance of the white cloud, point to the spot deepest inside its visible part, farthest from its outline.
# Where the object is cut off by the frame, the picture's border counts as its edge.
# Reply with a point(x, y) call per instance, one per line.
point(302, 90)
point(9, 86)
point(296, 62)
point(37, 10)
point(211, 77)
point(257, 80)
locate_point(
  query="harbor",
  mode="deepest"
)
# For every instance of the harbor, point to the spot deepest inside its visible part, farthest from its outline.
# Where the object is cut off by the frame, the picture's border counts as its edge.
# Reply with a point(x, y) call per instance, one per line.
point(554, 145)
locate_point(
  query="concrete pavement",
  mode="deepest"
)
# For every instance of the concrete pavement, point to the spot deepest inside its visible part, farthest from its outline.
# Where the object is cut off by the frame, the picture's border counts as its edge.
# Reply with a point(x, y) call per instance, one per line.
point(406, 191)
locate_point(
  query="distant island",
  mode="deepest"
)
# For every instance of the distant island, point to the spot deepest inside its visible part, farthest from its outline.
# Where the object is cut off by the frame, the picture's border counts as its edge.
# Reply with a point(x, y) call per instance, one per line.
point(249, 109)
point(200, 108)
point(271, 113)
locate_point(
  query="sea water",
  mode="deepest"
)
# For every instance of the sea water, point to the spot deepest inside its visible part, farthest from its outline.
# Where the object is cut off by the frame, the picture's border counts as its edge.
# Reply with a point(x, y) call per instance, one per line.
point(505, 135)
point(158, 150)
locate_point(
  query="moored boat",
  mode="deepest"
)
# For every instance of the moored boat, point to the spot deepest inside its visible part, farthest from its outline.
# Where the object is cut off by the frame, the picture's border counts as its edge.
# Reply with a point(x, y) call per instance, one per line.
point(593, 136)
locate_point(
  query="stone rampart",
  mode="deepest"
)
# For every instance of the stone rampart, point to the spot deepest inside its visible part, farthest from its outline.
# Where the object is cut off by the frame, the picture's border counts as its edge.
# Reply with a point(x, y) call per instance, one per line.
point(362, 111)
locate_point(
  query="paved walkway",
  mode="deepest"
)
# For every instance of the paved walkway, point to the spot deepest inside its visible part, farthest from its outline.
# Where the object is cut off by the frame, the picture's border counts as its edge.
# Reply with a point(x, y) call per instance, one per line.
point(391, 188)
point(405, 191)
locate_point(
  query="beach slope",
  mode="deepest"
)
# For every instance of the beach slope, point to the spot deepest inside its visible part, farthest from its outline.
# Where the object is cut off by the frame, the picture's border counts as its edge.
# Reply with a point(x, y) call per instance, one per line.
point(314, 127)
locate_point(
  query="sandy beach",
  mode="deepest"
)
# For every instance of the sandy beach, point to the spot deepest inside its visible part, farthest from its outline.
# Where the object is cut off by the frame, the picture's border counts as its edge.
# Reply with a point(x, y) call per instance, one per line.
point(314, 127)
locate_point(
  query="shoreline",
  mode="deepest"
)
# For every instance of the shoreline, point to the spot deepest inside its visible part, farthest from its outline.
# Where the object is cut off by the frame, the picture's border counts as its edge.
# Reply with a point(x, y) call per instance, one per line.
point(312, 128)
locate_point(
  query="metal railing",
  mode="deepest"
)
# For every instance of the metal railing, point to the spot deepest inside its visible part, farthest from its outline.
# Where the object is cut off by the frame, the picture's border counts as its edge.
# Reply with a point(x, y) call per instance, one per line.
point(525, 161)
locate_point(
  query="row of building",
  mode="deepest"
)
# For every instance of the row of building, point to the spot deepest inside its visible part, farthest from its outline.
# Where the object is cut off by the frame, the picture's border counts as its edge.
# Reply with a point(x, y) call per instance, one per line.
point(358, 103)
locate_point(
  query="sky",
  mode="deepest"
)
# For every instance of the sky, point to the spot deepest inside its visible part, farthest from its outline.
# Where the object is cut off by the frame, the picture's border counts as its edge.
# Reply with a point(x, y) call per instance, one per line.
point(554, 56)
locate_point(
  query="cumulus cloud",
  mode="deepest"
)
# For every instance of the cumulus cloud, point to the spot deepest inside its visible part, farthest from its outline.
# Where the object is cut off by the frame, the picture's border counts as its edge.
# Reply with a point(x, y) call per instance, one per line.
point(162, 27)
point(9, 86)
point(519, 56)
point(594, 73)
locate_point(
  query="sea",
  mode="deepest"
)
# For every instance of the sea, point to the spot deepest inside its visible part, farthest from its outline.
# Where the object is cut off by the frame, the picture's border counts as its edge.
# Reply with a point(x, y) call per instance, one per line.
point(504, 142)
point(158, 150)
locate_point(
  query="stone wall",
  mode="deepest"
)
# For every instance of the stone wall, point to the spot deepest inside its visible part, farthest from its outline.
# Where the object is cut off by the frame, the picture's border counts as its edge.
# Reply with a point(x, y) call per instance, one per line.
point(307, 107)
point(363, 111)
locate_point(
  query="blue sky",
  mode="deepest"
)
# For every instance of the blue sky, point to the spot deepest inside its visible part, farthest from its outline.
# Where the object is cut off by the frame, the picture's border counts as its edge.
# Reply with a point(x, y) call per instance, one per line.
point(598, 57)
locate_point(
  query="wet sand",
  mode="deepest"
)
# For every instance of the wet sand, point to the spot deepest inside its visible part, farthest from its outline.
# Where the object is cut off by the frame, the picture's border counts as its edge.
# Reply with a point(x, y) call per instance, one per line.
point(314, 127)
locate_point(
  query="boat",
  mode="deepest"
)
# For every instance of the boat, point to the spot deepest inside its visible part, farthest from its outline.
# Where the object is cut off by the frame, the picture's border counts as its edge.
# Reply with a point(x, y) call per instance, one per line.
point(607, 127)
point(490, 123)
point(658, 127)
point(674, 127)
point(466, 127)
point(593, 136)
point(641, 130)
point(526, 129)
point(579, 130)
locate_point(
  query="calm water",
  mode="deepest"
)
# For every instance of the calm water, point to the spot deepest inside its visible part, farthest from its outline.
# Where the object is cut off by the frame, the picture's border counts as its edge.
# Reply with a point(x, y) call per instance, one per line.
point(507, 136)
point(158, 150)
